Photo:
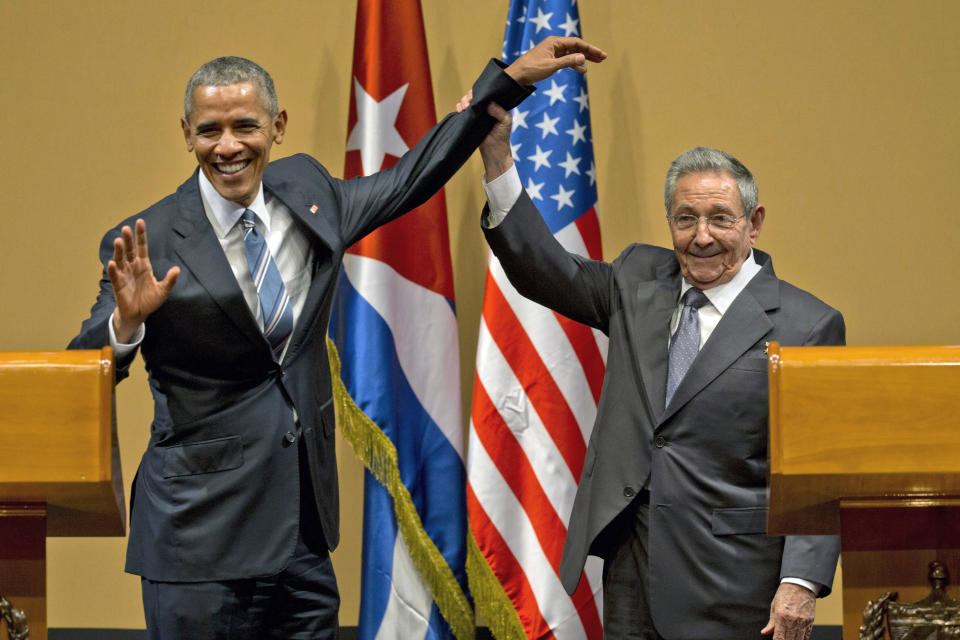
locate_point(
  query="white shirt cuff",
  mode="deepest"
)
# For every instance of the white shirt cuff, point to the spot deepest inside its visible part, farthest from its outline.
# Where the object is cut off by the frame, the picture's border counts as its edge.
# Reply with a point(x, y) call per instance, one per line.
point(816, 587)
point(502, 193)
point(121, 350)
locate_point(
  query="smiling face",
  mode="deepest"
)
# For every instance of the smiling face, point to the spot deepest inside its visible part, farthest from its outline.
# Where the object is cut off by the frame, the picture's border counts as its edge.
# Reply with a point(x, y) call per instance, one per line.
point(709, 256)
point(231, 132)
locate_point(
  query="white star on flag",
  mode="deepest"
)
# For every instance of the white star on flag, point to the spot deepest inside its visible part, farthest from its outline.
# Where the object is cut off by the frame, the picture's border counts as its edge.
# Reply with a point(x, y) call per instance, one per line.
point(533, 189)
point(582, 100)
point(570, 166)
point(577, 133)
point(542, 20)
point(520, 118)
point(555, 92)
point(570, 27)
point(540, 158)
point(592, 172)
point(548, 125)
point(563, 197)
point(375, 133)
point(513, 151)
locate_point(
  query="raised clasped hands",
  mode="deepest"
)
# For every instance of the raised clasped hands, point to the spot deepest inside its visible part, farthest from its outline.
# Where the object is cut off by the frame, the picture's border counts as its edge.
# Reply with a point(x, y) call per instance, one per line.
point(543, 60)
point(135, 288)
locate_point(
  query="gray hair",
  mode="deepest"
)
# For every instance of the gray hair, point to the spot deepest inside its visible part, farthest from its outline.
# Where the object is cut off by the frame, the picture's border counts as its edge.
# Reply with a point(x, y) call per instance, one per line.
point(707, 160)
point(228, 70)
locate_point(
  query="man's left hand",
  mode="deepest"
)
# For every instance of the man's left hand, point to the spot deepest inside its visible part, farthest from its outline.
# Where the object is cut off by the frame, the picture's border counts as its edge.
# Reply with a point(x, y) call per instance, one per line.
point(552, 54)
point(791, 613)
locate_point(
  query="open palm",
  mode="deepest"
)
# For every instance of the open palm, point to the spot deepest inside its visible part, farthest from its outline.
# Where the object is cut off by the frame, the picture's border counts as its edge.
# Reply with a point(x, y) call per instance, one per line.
point(135, 288)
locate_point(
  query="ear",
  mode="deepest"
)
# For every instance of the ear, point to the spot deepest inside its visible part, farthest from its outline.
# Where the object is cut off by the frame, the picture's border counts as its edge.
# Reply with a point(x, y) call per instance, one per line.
point(279, 126)
point(756, 222)
point(187, 134)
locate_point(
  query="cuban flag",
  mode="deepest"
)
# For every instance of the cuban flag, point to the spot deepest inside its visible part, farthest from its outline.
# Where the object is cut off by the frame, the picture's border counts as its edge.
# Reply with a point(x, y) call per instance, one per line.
point(538, 374)
point(394, 326)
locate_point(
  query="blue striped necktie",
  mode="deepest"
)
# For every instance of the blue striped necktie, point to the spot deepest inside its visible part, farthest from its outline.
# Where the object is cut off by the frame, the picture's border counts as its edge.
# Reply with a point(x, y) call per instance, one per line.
point(685, 343)
point(274, 301)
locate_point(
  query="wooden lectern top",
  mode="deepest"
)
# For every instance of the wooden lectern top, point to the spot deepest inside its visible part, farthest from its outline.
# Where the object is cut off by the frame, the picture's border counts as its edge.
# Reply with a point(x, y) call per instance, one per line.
point(58, 440)
point(858, 422)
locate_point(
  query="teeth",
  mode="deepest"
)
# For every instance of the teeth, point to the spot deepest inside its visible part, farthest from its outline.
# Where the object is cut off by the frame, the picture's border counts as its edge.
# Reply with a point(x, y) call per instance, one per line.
point(233, 167)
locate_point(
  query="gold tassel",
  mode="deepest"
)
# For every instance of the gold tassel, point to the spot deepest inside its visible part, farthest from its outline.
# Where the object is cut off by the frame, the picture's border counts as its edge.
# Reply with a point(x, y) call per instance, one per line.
point(491, 600)
point(379, 455)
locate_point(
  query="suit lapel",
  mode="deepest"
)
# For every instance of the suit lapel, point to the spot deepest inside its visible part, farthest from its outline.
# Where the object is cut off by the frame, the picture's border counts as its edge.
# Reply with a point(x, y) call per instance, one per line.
point(313, 212)
point(199, 249)
point(656, 300)
point(744, 323)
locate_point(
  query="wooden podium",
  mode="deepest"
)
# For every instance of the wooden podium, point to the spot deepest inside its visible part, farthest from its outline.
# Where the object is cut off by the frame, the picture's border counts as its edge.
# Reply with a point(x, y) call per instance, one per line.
point(59, 465)
point(865, 442)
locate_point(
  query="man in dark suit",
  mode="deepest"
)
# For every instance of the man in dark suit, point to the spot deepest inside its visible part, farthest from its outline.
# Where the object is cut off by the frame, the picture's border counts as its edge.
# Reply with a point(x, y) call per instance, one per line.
point(234, 507)
point(673, 495)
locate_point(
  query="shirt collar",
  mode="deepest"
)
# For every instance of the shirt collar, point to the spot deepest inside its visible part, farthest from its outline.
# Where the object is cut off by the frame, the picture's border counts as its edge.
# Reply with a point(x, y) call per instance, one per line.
point(224, 214)
point(723, 295)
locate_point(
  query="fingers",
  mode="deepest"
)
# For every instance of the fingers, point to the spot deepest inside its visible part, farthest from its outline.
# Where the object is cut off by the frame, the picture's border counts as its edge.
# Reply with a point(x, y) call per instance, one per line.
point(129, 245)
point(114, 273)
point(166, 285)
point(140, 244)
point(465, 101)
point(575, 61)
point(118, 257)
point(791, 613)
point(499, 113)
point(552, 54)
point(563, 46)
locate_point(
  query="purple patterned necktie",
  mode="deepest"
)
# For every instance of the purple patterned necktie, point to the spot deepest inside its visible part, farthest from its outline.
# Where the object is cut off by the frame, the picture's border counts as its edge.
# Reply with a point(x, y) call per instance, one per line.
point(686, 340)
point(274, 301)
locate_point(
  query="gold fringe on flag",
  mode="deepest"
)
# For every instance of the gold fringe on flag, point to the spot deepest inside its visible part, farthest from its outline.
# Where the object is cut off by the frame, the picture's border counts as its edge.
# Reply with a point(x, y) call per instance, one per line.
point(379, 455)
point(491, 600)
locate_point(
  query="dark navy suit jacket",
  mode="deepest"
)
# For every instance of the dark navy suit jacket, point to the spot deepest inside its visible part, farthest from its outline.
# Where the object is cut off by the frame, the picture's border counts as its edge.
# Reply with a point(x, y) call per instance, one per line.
point(713, 570)
point(217, 493)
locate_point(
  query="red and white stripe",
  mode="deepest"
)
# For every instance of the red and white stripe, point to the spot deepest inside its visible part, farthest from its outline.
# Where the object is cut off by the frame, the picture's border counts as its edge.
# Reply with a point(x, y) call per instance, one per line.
point(537, 384)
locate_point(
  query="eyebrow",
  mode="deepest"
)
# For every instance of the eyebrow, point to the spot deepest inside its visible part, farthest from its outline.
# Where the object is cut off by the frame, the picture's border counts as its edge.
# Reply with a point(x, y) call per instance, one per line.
point(715, 209)
point(211, 124)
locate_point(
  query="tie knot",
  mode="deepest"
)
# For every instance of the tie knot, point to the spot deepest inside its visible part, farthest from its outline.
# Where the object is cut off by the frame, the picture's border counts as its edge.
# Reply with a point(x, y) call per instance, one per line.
point(694, 298)
point(248, 219)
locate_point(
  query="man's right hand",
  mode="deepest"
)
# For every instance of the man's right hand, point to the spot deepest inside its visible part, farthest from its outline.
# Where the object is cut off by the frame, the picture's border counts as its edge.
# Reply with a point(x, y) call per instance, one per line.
point(136, 290)
point(495, 148)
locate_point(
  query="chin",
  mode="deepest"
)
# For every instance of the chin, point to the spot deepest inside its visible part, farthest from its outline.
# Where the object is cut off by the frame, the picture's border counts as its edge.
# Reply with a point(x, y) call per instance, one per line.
point(233, 194)
point(704, 280)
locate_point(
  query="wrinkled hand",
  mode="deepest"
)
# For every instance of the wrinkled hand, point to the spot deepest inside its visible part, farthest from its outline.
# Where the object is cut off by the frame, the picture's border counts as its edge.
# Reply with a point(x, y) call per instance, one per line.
point(137, 292)
point(552, 54)
point(791, 613)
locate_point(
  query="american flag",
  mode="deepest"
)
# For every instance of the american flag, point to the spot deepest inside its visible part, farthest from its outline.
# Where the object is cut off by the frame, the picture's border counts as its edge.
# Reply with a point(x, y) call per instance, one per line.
point(538, 374)
point(395, 328)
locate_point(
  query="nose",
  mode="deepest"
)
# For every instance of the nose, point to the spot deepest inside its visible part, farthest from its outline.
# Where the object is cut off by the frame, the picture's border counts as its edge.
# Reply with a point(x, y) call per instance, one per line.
point(703, 235)
point(228, 145)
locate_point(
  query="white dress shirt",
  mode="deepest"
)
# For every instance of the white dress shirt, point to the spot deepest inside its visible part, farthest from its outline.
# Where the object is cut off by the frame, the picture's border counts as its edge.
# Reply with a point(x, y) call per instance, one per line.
point(289, 246)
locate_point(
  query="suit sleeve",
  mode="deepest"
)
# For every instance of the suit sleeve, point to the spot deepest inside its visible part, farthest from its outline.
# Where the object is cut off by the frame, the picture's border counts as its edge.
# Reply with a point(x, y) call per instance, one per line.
point(815, 557)
point(370, 201)
point(543, 271)
point(95, 332)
